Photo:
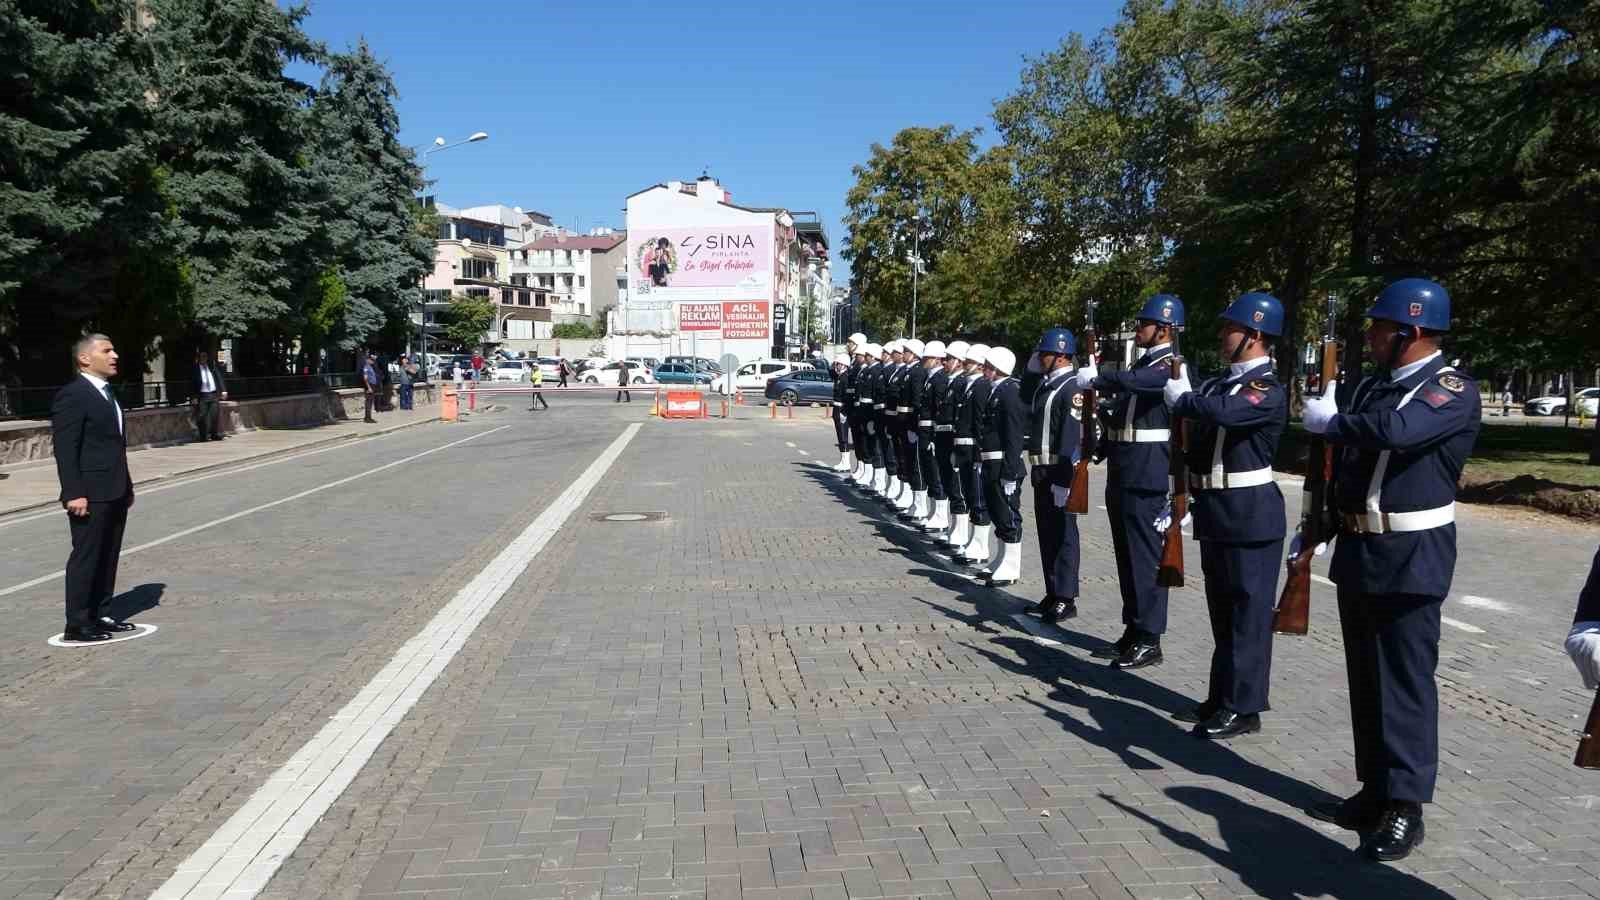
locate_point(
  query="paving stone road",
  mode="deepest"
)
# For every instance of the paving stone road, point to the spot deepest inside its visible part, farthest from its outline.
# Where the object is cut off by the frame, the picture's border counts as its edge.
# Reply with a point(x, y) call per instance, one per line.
point(770, 691)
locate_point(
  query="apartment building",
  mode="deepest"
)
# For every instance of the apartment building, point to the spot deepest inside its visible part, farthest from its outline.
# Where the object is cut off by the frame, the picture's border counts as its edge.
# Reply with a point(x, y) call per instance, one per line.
point(572, 276)
point(472, 256)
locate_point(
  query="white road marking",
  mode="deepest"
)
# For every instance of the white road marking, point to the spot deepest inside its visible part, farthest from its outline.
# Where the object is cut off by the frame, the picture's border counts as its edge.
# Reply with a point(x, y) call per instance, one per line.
point(1034, 628)
point(1460, 625)
point(255, 509)
point(241, 856)
point(788, 443)
point(144, 631)
point(804, 453)
point(1485, 603)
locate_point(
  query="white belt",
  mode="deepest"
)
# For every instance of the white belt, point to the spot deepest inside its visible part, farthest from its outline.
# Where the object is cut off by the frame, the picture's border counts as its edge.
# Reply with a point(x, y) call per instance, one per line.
point(1043, 459)
point(964, 442)
point(877, 406)
point(1230, 480)
point(924, 423)
point(1380, 523)
point(902, 409)
point(992, 454)
point(838, 403)
point(1139, 435)
point(864, 401)
point(944, 428)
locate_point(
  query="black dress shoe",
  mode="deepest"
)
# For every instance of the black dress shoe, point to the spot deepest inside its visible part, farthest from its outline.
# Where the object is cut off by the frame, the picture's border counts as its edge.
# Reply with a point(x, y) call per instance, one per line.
point(88, 635)
point(1139, 655)
point(109, 624)
point(1228, 724)
point(1197, 714)
point(1399, 831)
point(1358, 813)
point(1118, 648)
point(1059, 609)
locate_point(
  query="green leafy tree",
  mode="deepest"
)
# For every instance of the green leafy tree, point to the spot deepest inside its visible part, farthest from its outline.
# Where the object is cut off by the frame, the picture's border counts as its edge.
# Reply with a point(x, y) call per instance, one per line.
point(467, 319)
point(578, 330)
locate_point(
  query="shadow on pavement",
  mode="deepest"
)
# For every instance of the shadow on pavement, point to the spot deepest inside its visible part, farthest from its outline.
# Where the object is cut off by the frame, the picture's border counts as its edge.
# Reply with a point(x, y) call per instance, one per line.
point(135, 600)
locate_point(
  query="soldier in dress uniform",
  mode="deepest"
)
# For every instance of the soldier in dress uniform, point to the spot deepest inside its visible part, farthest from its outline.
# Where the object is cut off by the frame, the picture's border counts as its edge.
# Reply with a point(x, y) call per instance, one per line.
point(1236, 421)
point(867, 403)
point(969, 424)
point(1054, 433)
point(853, 348)
point(1401, 446)
point(1000, 446)
point(936, 506)
point(944, 439)
point(912, 380)
point(1135, 441)
point(1583, 641)
point(841, 422)
point(889, 389)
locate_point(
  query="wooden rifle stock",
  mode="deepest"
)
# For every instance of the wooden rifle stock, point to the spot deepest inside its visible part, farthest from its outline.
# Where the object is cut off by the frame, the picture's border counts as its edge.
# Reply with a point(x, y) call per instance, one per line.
point(1171, 572)
point(1589, 745)
point(1078, 497)
point(1293, 612)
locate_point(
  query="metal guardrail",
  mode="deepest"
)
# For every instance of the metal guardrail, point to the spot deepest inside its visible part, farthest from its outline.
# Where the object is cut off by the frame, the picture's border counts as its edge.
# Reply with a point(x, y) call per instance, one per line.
point(34, 402)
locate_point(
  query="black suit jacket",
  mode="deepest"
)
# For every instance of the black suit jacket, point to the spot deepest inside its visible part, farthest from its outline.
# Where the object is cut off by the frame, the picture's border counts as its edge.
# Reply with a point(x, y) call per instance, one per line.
point(216, 379)
point(91, 453)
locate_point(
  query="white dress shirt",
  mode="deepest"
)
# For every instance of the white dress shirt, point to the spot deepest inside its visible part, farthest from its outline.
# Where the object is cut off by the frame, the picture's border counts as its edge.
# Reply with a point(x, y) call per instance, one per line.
point(100, 385)
point(207, 385)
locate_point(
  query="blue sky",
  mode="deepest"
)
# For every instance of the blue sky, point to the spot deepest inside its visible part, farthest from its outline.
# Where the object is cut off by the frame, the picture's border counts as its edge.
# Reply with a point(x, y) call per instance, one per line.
point(586, 103)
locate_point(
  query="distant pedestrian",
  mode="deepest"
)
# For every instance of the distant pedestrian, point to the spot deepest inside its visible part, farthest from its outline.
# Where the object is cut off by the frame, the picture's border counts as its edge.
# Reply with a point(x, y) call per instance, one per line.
point(208, 387)
point(408, 377)
point(369, 387)
point(536, 379)
point(91, 451)
point(1505, 400)
point(623, 379)
point(562, 370)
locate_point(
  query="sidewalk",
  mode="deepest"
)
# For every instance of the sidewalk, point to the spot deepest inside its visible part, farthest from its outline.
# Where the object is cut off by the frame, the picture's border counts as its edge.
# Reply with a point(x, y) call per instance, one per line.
point(33, 485)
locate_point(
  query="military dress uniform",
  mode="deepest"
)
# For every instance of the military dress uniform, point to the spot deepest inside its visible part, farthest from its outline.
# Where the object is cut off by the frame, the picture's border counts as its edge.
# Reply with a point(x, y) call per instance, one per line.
point(944, 441)
point(913, 378)
point(1054, 435)
point(936, 506)
point(841, 422)
point(1000, 447)
point(1236, 422)
point(870, 402)
point(969, 427)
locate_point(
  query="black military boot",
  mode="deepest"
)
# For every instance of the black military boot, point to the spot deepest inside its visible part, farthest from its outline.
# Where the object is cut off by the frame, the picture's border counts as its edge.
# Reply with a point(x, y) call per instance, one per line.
point(1399, 831)
point(1144, 651)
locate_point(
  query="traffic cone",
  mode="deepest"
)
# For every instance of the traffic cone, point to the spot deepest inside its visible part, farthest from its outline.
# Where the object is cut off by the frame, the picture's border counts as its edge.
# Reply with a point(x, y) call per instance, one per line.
point(772, 410)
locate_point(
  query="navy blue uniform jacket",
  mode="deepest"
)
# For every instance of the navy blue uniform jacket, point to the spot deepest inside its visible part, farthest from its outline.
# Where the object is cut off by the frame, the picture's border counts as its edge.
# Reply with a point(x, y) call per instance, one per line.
point(1253, 409)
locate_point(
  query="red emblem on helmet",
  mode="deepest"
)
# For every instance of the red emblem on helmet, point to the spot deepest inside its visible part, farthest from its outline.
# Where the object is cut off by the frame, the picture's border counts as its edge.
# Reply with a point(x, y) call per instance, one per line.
point(1416, 310)
point(1258, 316)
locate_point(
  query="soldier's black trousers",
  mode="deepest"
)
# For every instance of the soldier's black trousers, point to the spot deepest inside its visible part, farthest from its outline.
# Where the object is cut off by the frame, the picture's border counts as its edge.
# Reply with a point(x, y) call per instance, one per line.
point(841, 429)
point(910, 456)
point(1005, 512)
point(858, 434)
point(970, 471)
point(1241, 588)
point(1391, 649)
point(944, 443)
point(1058, 543)
point(885, 447)
point(928, 463)
point(1137, 546)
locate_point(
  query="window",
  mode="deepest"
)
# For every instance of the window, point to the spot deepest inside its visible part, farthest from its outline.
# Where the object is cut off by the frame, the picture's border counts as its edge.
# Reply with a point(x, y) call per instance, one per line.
point(445, 234)
point(481, 233)
point(524, 298)
point(505, 296)
point(438, 296)
point(479, 269)
point(770, 368)
point(541, 300)
point(481, 292)
point(580, 281)
point(747, 370)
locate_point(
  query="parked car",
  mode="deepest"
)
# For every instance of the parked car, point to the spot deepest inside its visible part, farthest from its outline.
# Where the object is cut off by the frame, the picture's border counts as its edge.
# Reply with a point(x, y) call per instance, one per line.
point(648, 362)
point(681, 373)
point(611, 372)
point(807, 385)
point(1587, 401)
point(753, 376)
point(509, 370)
point(550, 366)
point(700, 363)
point(579, 367)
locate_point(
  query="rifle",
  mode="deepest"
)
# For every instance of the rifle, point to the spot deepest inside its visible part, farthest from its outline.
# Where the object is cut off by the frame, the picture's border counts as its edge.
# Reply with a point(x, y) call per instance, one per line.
point(1171, 572)
point(1293, 612)
point(1078, 496)
point(1589, 746)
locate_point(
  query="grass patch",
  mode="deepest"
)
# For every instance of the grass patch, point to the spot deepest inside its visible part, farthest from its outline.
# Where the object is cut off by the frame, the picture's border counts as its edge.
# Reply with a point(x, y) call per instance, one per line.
point(1547, 452)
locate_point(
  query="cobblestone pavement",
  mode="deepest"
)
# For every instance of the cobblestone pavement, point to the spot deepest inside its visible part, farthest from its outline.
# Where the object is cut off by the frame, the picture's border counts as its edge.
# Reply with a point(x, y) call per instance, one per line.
point(771, 691)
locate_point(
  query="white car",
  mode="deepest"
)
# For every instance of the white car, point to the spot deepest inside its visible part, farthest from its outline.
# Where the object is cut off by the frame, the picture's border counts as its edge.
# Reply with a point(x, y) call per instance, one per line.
point(510, 370)
point(611, 372)
point(753, 376)
point(1586, 400)
point(550, 366)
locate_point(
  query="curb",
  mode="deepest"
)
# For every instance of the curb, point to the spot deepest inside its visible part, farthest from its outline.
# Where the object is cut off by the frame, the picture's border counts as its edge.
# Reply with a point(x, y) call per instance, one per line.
point(286, 451)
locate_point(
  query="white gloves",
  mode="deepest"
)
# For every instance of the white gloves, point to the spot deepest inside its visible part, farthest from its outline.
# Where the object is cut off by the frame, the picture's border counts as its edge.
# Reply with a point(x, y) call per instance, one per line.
point(1010, 487)
point(1297, 543)
point(1164, 521)
point(1583, 645)
point(1087, 373)
point(1321, 409)
point(1176, 387)
point(912, 437)
point(1059, 494)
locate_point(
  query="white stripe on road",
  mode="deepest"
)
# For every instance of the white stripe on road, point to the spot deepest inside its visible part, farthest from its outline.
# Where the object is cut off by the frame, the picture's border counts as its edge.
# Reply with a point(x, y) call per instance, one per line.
point(241, 856)
point(1485, 603)
point(1036, 629)
point(804, 453)
point(255, 509)
point(1468, 627)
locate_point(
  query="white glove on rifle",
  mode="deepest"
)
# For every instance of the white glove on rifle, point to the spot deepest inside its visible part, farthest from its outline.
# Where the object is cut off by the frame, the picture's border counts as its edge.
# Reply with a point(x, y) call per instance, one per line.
point(1164, 521)
point(1010, 487)
point(1583, 645)
point(1297, 543)
point(1059, 493)
point(1087, 373)
point(1176, 387)
point(1319, 410)
point(912, 437)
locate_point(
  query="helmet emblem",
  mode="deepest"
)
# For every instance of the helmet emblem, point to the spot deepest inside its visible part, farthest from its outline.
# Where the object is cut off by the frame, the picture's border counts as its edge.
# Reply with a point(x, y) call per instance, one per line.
point(1416, 310)
point(1257, 316)
point(1061, 345)
point(1166, 312)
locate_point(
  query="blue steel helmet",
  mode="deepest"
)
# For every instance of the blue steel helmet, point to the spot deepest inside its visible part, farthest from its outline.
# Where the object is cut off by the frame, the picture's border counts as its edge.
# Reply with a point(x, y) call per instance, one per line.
point(1166, 309)
point(1058, 341)
point(1258, 311)
point(1413, 301)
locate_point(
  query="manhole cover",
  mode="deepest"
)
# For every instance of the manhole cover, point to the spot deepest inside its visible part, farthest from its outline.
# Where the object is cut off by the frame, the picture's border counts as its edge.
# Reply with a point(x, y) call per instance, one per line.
point(640, 516)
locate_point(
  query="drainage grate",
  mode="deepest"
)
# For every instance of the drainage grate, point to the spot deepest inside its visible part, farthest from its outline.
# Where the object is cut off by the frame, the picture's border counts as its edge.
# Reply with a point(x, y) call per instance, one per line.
point(629, 516)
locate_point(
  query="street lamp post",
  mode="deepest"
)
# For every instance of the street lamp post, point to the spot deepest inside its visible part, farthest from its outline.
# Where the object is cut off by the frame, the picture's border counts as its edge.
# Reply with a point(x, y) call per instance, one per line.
point(439, 143)
point(916, 269)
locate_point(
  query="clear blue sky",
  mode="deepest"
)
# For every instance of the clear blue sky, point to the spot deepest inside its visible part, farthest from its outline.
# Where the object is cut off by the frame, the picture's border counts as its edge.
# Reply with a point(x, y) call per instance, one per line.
point(586, 103)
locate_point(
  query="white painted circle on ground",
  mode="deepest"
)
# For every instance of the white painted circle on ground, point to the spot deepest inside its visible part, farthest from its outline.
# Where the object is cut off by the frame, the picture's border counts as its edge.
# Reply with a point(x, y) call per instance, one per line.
point(143, 631)
point(626, 517)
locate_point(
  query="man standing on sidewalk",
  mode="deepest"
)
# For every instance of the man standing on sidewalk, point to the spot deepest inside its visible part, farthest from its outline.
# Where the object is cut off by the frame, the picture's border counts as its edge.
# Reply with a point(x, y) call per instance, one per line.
point(207, 388)
point(91, 451)
point(369, 386)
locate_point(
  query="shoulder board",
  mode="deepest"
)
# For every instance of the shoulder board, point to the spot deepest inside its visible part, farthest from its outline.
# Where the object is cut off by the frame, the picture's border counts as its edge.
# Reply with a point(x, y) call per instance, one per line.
point(1452, 383)
point(1433, 396)
point(1260, 385)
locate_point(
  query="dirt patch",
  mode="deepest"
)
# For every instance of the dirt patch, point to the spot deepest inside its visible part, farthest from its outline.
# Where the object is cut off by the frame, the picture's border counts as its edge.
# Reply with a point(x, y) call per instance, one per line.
point(1530, 490)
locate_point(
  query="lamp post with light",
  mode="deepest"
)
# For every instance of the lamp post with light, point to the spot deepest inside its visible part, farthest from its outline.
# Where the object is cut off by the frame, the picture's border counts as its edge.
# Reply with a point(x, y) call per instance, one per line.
point(439, 143)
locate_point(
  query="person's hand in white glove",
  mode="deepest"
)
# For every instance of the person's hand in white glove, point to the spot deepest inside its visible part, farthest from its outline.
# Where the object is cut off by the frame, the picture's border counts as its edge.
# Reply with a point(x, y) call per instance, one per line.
point(1010, 487)
point(1297, 543)
point(1087, 373)
point(1319, 410)
point(912, 437)
point(1176, 387)
point(1583, 645)
point(1164, 521)
point(1059, 494)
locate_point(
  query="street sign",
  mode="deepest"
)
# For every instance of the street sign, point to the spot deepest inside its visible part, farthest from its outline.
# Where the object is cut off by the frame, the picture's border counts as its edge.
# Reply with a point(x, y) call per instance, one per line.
point(780, 313)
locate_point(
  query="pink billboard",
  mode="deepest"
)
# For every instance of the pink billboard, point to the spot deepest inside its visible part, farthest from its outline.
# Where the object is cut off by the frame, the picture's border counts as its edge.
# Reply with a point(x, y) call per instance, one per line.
point(721, 256)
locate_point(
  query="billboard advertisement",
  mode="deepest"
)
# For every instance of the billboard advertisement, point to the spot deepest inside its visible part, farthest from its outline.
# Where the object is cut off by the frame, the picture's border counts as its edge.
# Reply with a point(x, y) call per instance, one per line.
point(733, 258)
point(700, 317)
point(731, 320)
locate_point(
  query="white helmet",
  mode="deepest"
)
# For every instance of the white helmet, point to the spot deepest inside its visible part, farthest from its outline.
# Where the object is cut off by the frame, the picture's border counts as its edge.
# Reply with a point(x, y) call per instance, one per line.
point(957, 350)
point(873, 351)
point(978, 353)
point(1003, 360)
point(841, 360)
point(935, 350)
point(915, 346)
point(859, 339)
point(892, 347)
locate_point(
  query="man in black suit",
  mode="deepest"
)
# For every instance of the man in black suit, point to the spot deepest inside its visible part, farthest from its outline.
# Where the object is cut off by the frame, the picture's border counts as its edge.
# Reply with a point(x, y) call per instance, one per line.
point(209, 387)
point(91, 452)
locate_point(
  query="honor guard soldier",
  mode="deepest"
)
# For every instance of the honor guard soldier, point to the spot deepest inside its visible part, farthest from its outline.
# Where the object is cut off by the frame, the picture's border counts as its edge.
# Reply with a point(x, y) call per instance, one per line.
point(936, 506)
point(1236, 422)
point(841, 423)
point(969, 426)
point(861, 418)
point(1054, 432)
point(885, 450)
point(912, 380)
point(853, 345)
point(944, 438)
point(893, 438)
point(867, 402)
point(1401, 445)
point(1000, 445)
point(1135, 441)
